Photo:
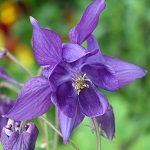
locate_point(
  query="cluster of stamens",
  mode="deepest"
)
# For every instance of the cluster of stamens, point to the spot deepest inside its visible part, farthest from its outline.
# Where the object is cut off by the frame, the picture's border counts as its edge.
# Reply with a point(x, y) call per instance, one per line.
point(13, 126)
point(80, 83)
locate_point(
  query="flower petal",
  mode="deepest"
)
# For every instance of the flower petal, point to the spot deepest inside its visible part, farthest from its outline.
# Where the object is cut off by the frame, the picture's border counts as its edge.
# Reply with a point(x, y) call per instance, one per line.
point(4, 75)
point(65, 99)
point(67, 124)
point(101, 75)
point(92, 102)
point(33, 100)
point(91, 45)
point(47, 45)
point(2, 52)
point(125, 72)
point(5, 106)
point(59, 76)
point(88, 22)
point(48, 70)
point(30, 135)
point(107, 123)
point(73, 52)
point(5, 139)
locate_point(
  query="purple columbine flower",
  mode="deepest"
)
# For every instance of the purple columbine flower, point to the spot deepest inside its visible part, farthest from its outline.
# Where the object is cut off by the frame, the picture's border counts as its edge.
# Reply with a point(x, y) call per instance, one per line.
point(5, 105)
point(72, 75)
point(16, 136)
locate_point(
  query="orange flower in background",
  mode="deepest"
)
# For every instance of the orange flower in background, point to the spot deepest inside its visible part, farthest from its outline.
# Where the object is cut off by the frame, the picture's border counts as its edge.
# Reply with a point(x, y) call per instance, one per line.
point(8, 13)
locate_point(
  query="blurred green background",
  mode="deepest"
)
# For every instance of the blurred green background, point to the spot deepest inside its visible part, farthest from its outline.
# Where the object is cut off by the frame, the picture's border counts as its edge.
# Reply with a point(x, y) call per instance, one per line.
point(123, 32)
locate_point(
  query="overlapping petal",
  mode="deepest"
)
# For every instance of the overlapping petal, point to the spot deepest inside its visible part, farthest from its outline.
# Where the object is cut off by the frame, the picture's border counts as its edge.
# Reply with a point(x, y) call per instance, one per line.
point(125, 72)
point(47, 45)
point(33, 100)
point(48, 70)
point(91, 45)
point(101, 75)
point(5, 106)
point(65, 99)
point(68, 124)
point(92, 102)
point(74, 52)
point(107, 123)
point(4, 75)
point(59, 76)
point(88, 22)
point(30, 135)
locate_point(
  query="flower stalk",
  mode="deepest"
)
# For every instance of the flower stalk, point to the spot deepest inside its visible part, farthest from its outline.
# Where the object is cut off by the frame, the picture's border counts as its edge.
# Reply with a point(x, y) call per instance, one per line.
point(9, 86)
point(97, 131)
point(56, 130)
point(55, 140)
point(47, 136)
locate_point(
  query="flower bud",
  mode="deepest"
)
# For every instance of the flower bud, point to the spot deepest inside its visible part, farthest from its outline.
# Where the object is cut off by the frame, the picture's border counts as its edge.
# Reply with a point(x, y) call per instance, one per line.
point(17, 136)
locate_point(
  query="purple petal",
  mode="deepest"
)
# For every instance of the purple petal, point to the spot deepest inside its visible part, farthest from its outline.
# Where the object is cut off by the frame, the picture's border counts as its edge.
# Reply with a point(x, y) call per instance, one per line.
point(3, 53)
point(73, 52)
point(67, 125)
point(92, 44)
point(33, 100)
point(4, 75)
point(5, 106)
point(59, 76)
point(107, 123)
point(5, 139)
point(102, 75)
point(47, 45)
point(65, 99)
point(88, 22)
point(48, 70)
point(92, 102)
point(30, 135)
point(125, 72)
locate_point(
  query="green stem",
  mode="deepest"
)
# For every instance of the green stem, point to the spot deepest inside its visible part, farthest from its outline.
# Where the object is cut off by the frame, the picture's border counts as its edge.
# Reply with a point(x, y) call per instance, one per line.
point(55, 141)
point(39, 71)
point(41, 125)
point(47, 136)
point(9, 86)
point(19, 64)
point(97, 131)
point(56, 130)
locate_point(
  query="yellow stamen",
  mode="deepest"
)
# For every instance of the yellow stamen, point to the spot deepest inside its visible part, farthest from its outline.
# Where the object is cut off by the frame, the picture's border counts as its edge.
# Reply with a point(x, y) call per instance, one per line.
point(80, 83)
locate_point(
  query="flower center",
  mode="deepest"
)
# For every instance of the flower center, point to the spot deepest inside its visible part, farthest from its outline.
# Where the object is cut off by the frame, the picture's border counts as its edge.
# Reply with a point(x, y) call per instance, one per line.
point(80, 83)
